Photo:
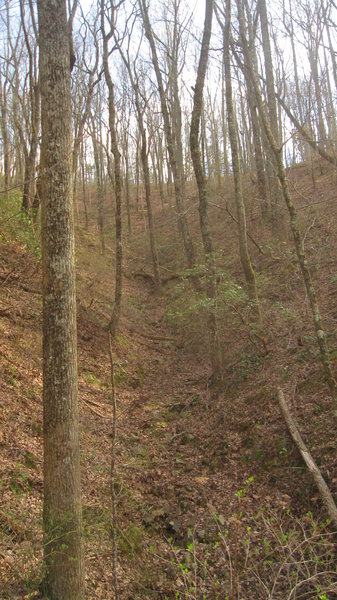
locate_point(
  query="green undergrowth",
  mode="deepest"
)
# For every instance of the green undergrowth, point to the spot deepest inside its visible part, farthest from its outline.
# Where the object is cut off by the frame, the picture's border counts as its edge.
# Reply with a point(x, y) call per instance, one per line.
point(188, 309)
point(270, 555)
point(16, 226)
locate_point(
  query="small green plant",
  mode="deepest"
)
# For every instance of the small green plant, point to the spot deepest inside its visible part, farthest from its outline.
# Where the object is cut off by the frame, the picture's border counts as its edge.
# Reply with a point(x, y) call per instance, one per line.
point(122, 340)
point(283, 313)
point(131, 541)
point(120, 373)
point(19, 483)
point(11, 378)
point(284, 556)
point(30, 460)
point(93, 379)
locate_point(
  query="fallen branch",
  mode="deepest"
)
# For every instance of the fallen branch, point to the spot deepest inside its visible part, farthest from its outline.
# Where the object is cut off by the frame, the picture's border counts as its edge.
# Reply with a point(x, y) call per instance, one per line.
point(7, 276)
point(99, 414)
point(323, 489)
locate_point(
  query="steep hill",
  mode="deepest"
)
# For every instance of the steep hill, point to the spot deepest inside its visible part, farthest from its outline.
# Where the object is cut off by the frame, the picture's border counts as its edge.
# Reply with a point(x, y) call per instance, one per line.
point(213, 499)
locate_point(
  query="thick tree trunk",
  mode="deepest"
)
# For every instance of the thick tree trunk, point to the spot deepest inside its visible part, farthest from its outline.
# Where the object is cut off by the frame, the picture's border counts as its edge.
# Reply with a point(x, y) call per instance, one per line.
point(62, 517)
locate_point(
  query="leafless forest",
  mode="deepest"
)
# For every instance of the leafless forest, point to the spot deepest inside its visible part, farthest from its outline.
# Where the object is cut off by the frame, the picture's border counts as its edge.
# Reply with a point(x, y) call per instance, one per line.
point(168, 299)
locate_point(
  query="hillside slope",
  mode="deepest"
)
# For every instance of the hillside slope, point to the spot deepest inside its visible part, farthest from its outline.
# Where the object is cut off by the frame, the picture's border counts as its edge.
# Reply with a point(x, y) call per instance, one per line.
point(213, 499)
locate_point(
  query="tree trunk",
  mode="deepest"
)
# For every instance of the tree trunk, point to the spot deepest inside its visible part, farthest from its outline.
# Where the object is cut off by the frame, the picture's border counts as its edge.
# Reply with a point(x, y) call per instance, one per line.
point(146, 173)
point(262, 183)
point(146, 169)
point(232, 132)
point(276, 198)
point(114, 322)
point(99, 183)
point(202, 190)
point(29, 182)
point(127, 185)
point(4, 130)
point(62, 516)
point(313, 60)
point(159, 167)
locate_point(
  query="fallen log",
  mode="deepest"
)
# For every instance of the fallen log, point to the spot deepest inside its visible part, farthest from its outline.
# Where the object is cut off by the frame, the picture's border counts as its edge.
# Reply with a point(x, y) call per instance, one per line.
point(323, 489)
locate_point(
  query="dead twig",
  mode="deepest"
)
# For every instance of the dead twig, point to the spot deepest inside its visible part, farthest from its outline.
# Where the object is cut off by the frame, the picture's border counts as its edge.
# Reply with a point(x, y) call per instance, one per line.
point(6, 277)
point(95, 411)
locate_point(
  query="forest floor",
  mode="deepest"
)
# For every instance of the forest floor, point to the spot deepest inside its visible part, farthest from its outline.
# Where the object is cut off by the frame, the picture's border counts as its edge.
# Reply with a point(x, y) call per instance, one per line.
point(213, 499)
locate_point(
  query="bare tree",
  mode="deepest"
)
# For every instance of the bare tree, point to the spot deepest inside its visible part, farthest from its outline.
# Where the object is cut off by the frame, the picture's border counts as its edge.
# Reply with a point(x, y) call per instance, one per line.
point(10, 57)
point(97, 144)
point(141, 104)
point(182, 221)
point(86, 79)
point(202, 188)
point(232, 132)
point(108, 16)
point(310, 289)
point(275, 193)
point(33, 111)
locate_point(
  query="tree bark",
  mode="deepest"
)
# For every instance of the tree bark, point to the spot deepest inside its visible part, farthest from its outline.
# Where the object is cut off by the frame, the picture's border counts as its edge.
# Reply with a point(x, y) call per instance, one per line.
point(30, 162)
point(62, 515)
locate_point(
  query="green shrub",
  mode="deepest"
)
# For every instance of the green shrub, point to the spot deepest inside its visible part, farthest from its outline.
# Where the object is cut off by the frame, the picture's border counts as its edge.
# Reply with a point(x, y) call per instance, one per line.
point(188, 310)
point(15, 225)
